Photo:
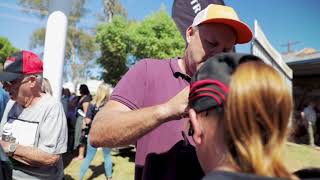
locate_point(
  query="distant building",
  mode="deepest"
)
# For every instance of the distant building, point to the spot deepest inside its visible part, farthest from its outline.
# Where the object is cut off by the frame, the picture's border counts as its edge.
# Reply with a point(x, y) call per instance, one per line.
point(306, 74)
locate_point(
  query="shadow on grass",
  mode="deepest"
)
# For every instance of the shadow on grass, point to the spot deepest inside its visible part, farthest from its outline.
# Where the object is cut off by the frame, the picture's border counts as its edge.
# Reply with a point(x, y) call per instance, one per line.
point(68, 177)
point(68, 156)
point(126, 153)
point(97, 170)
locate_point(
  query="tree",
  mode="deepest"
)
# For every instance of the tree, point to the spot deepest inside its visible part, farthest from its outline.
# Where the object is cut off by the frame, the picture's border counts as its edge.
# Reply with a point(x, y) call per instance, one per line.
point(40, 8)
point(157, 37)
point(115, 44)
point(80, 45)
point(113, 8)
point(120, 40)
point(80, 50)
point(6, 49)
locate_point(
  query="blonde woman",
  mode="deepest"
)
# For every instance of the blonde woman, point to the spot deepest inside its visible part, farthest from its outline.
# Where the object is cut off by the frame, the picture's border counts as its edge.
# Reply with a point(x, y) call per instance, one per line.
point(240, 124)
point(46, 87)
point(101, 97)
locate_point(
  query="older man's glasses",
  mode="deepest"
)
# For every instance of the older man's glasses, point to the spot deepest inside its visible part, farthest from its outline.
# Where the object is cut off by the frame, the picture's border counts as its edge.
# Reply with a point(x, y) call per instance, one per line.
point(14, 82)
point(9, 83)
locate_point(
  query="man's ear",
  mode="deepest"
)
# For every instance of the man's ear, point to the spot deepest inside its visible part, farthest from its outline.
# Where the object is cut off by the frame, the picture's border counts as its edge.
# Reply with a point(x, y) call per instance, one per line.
point(196, 125)
point(189, 33)
point(33, 81)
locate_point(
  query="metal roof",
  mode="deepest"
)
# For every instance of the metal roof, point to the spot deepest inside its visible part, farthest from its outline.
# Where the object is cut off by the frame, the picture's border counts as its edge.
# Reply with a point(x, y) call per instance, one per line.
point(308, 65)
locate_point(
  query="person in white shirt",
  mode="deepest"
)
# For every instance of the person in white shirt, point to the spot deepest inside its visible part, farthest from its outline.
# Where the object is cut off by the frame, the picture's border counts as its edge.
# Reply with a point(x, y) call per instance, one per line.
point(33, 127)
point(309, 114)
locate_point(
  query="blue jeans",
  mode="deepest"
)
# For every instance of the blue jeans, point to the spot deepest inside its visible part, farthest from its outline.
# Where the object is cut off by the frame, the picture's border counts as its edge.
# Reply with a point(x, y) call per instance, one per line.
point(91, 152)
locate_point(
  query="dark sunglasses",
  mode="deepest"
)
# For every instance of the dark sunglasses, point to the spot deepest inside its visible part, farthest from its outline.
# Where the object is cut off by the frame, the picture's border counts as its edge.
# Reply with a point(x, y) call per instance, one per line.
point(13, 82)
point(9, 83)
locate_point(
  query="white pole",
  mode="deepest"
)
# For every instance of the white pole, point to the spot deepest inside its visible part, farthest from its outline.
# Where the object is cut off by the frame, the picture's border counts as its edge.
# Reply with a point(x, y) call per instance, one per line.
point(54, 50)
point(54, 46)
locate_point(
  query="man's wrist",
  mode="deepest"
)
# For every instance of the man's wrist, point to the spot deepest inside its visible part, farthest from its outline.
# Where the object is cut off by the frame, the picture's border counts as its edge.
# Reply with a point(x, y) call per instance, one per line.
point(12, 149)
point(164, 112)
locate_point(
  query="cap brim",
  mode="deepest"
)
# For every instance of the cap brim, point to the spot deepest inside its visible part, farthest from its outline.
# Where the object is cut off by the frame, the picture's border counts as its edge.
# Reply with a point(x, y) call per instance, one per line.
point(8, 76)
point(244, 33)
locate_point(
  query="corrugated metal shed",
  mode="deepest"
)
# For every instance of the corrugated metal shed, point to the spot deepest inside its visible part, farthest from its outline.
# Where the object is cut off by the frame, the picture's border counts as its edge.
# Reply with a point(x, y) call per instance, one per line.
point(306, 75)
point(306, 69)
point(308, 65)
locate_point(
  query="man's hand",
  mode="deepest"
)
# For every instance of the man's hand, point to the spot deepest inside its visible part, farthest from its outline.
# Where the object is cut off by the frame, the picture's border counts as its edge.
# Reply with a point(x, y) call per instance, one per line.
point(178, 105)
point(87, 120)
point(126, 126)
point(5, 145)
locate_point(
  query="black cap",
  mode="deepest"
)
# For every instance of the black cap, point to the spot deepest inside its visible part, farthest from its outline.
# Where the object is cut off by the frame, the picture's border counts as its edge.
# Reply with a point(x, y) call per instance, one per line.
point(210, 84)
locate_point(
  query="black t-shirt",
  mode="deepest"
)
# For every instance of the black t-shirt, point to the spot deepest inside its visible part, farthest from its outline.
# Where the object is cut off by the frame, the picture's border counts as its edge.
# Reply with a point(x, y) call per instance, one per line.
point(179, 163)
point(224, 175)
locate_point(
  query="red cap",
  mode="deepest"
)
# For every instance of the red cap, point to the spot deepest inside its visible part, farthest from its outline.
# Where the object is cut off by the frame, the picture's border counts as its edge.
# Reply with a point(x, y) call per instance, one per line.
point(21, 63)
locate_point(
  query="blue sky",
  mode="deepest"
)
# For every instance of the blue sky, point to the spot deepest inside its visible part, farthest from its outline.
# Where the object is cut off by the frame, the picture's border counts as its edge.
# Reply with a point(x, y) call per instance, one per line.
point(281, 20)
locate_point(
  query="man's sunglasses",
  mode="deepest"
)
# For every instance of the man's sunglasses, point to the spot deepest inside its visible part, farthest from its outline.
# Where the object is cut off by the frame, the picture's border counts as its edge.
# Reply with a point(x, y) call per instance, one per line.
point(13, 82)
point(9, 83)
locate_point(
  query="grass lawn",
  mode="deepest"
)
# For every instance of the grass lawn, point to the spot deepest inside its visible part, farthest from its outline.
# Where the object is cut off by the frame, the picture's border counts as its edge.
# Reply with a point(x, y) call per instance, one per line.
point(123, 167)
point(296, 157)
point(301, 156)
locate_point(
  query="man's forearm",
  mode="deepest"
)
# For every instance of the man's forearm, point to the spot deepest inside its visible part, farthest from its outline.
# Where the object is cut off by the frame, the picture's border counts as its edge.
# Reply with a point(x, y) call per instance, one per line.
point(34, 156)
point(117, 125)
point(116, 128)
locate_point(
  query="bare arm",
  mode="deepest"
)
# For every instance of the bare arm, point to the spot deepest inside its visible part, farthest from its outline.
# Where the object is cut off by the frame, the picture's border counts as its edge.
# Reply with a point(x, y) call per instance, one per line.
point(85, 106)
point(32, 156)
point(117, 125)
point(302, 115)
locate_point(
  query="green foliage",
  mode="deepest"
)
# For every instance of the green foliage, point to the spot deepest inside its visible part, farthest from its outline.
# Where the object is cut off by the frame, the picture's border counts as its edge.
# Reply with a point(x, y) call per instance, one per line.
point(40, 8)
point(80, 51)
point(156, 37)
point(113, 8)
point(6, 49)
point(80, 46)
point(33, 5)
point(37, 38)
point(115, 44)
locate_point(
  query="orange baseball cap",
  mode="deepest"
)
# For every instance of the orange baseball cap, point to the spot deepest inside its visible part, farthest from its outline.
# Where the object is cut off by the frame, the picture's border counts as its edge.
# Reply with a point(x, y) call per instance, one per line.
point(214, 13)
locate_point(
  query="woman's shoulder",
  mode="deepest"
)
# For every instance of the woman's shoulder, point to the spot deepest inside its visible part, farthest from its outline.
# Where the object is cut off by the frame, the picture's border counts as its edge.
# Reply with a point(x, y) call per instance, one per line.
point(85, 98)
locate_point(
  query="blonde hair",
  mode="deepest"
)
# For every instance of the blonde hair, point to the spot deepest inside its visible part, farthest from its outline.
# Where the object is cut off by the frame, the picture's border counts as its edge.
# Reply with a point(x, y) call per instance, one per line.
point(257, 114)
point(46, 87)
point(102, 94)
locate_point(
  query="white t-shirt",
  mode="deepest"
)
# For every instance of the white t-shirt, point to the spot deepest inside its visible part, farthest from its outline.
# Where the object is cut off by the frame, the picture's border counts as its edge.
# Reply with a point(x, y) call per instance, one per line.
point(310, 114)
point(43, 126)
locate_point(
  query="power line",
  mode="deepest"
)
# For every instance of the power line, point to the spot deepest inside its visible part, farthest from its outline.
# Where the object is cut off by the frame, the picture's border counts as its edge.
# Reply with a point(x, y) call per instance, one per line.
point(289, 45)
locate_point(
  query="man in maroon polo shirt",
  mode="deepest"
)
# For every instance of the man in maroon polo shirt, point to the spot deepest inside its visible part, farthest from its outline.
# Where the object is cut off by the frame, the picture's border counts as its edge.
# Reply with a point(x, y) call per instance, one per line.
point(147, 104)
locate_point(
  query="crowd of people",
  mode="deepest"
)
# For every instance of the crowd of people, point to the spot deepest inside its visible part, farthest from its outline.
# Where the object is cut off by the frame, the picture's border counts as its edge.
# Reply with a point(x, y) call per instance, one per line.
point(236, 119)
